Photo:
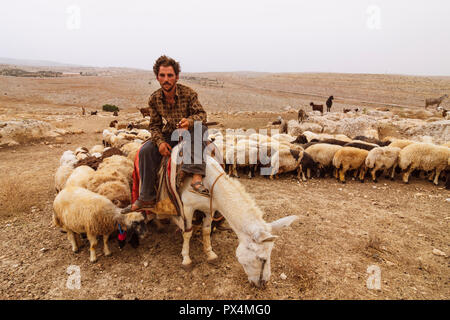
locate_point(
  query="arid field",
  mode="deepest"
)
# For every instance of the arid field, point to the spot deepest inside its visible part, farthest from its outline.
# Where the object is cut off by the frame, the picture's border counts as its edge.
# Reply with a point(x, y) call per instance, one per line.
point(343, 228)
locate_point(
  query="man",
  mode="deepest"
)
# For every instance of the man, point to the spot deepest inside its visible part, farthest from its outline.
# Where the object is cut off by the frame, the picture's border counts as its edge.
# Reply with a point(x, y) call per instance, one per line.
point(179, 106)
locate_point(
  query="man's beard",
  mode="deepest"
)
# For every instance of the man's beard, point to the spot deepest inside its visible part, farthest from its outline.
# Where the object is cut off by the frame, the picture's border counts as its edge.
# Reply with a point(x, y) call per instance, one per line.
point(170, 88)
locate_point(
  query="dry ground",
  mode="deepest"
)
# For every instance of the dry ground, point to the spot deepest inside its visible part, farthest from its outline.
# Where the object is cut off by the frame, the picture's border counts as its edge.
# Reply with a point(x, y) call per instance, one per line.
point(343, 229)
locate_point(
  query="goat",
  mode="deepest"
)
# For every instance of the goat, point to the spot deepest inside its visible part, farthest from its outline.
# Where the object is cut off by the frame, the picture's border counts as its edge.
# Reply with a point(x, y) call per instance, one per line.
point(329, 103)
point(145, 112)
point(317, 107)
point(302, 115)
point(94, 113)
point(347, 110)
point(432, 101)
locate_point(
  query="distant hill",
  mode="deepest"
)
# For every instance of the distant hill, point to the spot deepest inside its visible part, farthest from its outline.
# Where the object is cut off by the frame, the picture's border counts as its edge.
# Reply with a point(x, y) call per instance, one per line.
point(35, 63)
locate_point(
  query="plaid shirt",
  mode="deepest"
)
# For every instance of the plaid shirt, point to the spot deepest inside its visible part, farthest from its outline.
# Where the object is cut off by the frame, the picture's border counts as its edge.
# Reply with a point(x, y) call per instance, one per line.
point(186, 106)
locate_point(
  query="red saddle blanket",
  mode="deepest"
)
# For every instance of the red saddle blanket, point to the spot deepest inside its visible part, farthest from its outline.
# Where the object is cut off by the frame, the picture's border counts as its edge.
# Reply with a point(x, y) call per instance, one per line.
point(166, 203)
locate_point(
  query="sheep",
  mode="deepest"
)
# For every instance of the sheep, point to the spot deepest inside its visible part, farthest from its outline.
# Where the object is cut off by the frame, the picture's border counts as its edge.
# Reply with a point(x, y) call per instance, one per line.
point(81, 153)
point(361, 145)
point(131, 149)
point(323, 153)
point(329, 103)
point(144, 134)
point(382, 158)
point(283, 137)
point(91, 161)
point(80, 177)
point(62, 174)
point(285, 161)
point(97, 149)
point(307, 164)
point(424, 156)
point(317, 107)
point(77, 210)
point(244, 156)
point(399, 143)
point(350, 158)
point(334, 141)
point(447, 181)
point(373, 140)
point(68, 158)
point(113, 179)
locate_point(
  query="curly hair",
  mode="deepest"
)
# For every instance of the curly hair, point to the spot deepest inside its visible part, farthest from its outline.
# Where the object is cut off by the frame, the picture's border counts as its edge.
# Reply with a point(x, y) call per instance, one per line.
point(166, 61)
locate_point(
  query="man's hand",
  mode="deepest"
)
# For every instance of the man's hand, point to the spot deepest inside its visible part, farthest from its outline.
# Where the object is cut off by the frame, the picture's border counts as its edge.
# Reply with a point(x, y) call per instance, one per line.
point(183, 124)
point(165, 149)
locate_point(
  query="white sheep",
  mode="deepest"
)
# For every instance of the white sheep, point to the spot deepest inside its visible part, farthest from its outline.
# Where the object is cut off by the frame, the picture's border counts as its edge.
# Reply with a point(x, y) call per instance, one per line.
point(80, 177)
point(68, 158)
point(77, 210)
point(96, 149)
point(382, 158)
point(424, 156)
point(62, 174)
point(130, 149)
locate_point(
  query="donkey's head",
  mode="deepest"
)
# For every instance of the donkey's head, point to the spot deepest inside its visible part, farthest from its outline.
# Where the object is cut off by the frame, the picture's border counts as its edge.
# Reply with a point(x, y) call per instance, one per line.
point(254, 251)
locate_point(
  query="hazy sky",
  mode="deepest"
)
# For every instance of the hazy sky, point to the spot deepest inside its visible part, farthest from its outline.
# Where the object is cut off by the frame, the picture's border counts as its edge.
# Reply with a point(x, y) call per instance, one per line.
point(358, 36)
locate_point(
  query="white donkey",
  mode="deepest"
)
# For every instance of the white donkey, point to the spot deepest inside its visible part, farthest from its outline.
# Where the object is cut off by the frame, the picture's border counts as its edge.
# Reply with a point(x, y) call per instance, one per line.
point(244, 217)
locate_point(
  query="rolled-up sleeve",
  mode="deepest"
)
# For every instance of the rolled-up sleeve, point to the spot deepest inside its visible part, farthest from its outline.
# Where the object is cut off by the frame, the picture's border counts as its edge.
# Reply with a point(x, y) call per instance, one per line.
point(156, 124)
point(197, 113)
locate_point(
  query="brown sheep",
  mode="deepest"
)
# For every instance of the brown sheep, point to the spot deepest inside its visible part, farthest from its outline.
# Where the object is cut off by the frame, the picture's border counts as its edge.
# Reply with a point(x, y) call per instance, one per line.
point(349, 158)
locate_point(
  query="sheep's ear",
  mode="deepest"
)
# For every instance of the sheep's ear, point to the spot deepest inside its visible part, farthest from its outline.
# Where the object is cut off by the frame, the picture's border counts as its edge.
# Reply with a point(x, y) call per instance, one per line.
point(263, 236)
point(282, 223)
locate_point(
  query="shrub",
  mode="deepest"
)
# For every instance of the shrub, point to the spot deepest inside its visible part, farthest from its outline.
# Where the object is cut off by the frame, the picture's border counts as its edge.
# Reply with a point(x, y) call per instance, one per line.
point(110, 108)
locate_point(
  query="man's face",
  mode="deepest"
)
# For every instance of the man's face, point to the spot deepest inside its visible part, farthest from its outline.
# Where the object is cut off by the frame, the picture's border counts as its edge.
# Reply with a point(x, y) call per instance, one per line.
point(167, 78)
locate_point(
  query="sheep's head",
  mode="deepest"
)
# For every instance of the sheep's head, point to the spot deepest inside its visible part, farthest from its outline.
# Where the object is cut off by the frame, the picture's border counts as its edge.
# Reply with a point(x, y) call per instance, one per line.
point(253, 252)
point(136, 228)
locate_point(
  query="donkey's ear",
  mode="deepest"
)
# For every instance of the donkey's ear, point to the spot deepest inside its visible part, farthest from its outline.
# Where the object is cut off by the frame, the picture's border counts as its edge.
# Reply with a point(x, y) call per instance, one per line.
point(279, 224)
point(263, 236)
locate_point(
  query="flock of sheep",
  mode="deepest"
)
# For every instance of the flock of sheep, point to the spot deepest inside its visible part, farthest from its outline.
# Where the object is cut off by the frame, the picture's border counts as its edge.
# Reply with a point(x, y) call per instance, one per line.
point(332, 154)
point(92, 185)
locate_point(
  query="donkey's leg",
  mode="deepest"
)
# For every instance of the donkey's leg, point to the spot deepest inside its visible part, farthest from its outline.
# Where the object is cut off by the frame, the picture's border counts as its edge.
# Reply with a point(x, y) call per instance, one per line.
point(206, 232)
point(189, 212)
